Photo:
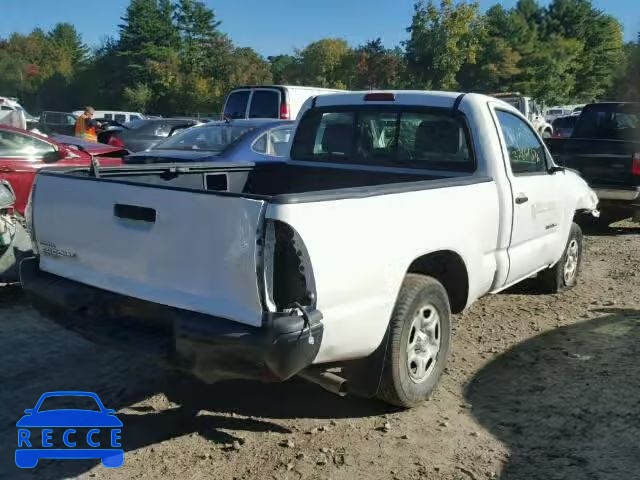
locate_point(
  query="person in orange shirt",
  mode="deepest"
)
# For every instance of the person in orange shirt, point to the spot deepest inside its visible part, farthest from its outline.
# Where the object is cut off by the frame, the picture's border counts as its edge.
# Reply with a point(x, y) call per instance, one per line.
point(86, 127)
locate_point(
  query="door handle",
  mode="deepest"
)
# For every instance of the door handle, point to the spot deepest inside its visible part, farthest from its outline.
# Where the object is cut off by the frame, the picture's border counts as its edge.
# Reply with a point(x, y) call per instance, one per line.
point(6, 170)
point(521, 198)
point(134, 212)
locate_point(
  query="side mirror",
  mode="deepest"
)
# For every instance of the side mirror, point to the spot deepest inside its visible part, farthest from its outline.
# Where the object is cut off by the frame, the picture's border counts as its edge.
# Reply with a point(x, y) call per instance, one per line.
point(555, 169)
point(109, 411)
point(29, 411)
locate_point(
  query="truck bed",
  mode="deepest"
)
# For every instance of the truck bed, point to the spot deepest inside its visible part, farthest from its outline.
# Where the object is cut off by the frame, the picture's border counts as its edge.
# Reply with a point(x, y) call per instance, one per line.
point(277, 183)
point(193, 238)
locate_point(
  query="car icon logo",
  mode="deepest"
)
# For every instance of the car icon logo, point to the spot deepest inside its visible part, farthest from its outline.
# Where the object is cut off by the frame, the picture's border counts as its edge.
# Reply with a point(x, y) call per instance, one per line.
point(69, 433)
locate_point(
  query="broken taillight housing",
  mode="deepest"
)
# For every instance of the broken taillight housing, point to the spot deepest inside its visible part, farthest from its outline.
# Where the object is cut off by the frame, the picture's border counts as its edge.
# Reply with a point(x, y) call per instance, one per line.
point(289, 280)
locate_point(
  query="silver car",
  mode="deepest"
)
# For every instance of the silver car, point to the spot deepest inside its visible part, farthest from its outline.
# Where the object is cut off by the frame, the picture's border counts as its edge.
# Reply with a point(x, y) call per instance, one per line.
point(236, 140)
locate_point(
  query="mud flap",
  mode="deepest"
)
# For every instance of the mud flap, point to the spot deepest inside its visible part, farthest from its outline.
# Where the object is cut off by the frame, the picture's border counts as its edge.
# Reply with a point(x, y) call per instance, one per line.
point(364, 375)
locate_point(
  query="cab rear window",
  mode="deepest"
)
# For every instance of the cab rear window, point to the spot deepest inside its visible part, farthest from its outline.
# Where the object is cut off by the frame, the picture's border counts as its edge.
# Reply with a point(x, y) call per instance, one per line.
point(430, 139)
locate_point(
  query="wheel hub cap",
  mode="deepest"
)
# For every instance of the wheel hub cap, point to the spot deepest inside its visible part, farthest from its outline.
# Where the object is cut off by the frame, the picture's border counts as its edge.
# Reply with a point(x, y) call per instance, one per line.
point(423, 343)
point(571, 262)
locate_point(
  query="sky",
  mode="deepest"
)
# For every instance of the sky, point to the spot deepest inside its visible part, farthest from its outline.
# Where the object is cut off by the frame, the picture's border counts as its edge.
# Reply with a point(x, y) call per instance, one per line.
point(271, 28)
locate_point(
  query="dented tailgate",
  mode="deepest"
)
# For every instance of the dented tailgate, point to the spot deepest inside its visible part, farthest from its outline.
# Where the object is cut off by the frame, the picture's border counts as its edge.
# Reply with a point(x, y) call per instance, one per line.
point(186, 249)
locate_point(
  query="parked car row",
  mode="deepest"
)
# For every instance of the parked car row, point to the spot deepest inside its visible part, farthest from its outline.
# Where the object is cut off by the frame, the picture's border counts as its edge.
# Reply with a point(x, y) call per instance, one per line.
point(240, 140)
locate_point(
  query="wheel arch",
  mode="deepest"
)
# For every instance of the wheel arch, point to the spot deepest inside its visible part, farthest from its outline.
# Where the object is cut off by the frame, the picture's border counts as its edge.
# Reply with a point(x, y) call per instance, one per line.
point(449, 268)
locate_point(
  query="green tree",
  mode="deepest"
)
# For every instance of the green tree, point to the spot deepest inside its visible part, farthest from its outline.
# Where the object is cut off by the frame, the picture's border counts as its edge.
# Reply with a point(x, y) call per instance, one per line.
point(147, 33)
point(285, 69)
point(551, 71)
point(627, 82)
point(377, 66)
point(602, 39)
point(248, 68)
point(497, 66)
point(198, 30)
point(138, 97)
point(530, 11)
point(443, 39)
point(322, 63)
point(31, 59)
point(101, 83)
point(11, 71)
point(66, 38)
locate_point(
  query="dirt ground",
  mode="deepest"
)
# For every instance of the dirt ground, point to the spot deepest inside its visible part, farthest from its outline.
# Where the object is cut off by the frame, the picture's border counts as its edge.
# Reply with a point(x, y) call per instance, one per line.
point(538, 387)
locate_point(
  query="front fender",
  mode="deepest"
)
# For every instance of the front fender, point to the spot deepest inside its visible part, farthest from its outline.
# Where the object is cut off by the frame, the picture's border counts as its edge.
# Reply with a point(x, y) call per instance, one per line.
point(586, 200)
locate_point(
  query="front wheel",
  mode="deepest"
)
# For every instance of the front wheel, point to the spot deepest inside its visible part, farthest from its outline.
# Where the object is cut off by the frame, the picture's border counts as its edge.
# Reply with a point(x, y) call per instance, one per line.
point(564, 274)
point(419, 340)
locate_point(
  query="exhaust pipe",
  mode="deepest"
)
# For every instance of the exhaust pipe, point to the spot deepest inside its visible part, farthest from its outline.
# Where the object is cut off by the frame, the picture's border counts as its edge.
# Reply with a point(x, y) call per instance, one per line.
point(327, 380)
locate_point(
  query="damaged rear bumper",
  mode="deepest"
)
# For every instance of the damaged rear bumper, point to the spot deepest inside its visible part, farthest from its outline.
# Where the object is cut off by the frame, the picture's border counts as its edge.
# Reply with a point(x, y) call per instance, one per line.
point(211, 348)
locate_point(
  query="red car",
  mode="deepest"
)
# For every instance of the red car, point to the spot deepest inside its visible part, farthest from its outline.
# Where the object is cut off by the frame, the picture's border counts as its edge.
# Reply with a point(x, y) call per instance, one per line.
point(23, 153)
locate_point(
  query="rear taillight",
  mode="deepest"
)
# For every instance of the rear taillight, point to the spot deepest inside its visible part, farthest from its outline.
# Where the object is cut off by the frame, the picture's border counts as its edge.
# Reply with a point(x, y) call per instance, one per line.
point(284, 111)
point(635, 164)
point(115, 142)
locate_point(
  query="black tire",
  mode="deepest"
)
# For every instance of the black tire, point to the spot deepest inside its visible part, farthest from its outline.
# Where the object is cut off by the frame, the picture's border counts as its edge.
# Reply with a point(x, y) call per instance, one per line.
point(398, 385)
point(554, 280)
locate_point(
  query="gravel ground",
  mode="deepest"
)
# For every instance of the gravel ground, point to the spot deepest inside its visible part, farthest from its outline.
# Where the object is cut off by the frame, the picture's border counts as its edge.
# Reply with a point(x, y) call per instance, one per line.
point(538, 387)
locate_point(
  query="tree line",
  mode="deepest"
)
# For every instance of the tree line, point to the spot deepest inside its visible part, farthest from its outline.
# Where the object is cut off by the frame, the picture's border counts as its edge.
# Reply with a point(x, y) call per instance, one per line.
point(171, 57)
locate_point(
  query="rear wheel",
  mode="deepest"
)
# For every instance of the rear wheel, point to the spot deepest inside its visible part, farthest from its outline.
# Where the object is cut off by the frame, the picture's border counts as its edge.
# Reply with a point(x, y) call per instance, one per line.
point(564, 274)
point(419, 340)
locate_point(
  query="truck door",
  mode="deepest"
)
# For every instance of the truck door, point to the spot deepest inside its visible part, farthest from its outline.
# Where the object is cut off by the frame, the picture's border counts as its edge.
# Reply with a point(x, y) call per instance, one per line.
point(537, 214)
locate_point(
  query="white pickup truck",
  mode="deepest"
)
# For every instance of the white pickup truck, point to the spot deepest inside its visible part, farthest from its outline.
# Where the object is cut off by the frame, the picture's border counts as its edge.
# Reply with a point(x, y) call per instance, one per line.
point(394, 210)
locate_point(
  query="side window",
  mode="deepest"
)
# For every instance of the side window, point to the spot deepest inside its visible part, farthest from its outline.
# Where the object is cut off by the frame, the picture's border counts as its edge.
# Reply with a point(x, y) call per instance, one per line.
point(260, 144)
point(526, 152)
point(265, 104)
point(71, 120)
point(279, 139)
point(13, 144)
point(236, 106)
point(120, 118)
point(108, 116)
